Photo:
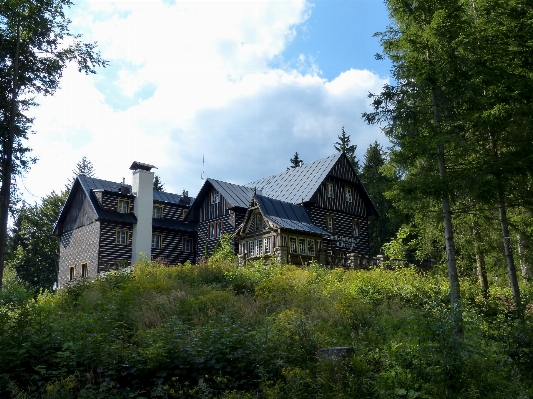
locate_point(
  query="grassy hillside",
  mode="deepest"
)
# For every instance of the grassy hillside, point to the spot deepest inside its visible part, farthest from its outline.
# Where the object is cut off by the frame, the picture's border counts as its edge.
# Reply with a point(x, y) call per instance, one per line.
point(214, 330)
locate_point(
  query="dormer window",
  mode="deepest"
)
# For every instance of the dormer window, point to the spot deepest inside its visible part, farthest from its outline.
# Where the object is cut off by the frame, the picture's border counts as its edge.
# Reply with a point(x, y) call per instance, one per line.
point(215, 197)
point(123, 206)
point(157, 212)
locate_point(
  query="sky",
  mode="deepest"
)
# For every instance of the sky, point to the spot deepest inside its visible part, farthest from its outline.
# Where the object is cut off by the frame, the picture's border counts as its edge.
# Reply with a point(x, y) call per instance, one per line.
point(222, 89)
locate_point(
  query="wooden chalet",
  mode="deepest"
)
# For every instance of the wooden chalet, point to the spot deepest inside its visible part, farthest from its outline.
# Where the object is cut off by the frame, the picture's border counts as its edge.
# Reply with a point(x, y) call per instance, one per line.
point(100, 223)
point(328, 189)
point(278, 229)
point(315, 212)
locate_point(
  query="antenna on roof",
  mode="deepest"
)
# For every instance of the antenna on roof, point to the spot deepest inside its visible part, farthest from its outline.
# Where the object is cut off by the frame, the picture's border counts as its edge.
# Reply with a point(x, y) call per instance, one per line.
point(203, 167)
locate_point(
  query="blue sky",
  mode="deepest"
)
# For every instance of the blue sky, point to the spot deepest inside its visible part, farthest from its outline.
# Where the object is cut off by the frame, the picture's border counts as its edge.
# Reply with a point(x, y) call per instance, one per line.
point(241, 84)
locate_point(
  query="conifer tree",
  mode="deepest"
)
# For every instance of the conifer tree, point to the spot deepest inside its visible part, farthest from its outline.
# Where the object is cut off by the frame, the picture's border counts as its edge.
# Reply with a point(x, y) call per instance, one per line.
point(158, 185)
point(296, 161)
point(344, 146)
point(83, 167)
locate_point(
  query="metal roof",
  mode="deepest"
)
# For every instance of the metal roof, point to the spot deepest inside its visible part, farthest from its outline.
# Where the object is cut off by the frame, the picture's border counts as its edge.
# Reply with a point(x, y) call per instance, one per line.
point(296, 185)
point(237, 195)
point(287, 215)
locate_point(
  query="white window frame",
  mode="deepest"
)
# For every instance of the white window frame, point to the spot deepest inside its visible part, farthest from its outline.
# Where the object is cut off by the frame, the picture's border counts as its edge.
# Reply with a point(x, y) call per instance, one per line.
point(259, 247)
point(215, 197)
point(156, 241)
point(293, 249)
point(122, 237)
point(348, 194)
point(157, 212)
point(311, 247)
point(212, 230)
point(302, 246)
point(251, 248)
point(266, 245)
point(330, 190)
point(123, 205)
point(330, 225)
point(243, 248)
point(187, 244)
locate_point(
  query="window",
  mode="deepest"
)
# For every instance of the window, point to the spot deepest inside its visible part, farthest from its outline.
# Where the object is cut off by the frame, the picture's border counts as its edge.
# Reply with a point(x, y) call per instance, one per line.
point(219, 229)
point(243, 248)
point(184, 213)
point(215, 197)
point(329, 187)
point(123, 206)
point(293, 248)
point(266, 244)
point(71, 273)
point(211, 231)
point(348, 194)
point(187, 244)
point(258, 221)
point(84, 270)
point(251, 246)
point(283, 241)
point(157, 212)
point(356, 228)
point(259, 247)
point(301, 246)
point(156, 241)
point(311, 247)
point(122, 237)
point(329, 223)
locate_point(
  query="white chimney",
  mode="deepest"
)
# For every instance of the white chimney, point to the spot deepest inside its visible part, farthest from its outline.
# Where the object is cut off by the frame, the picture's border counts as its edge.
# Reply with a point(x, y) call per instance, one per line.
point(142, 188)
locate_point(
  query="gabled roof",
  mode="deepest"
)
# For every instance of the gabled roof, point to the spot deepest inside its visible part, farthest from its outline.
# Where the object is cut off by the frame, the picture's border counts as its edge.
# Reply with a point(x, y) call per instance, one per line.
point(91, 184)
point(236, 195)
point(299, 184)
point(286, 215)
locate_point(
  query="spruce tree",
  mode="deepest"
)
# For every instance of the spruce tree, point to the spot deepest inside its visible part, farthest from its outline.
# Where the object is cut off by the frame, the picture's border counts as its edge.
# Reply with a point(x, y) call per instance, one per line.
point(158, 185)
point(344, 146)
point(296, 161)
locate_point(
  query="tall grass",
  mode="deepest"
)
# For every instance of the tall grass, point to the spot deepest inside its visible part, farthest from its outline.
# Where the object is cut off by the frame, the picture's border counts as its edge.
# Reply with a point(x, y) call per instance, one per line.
point(214, 330)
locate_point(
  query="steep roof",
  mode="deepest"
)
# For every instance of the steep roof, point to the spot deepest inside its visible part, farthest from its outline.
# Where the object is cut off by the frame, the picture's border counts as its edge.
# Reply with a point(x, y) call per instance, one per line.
point(296, 185)
point(89, 184)
point(287, 215)
point(237, 195)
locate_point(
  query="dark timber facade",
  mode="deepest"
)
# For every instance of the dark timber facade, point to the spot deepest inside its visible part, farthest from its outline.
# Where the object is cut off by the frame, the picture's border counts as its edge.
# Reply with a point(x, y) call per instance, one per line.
point(316, 212)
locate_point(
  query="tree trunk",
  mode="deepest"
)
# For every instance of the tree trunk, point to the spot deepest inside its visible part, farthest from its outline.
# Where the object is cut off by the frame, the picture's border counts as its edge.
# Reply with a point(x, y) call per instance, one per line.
point(7, 161)
point(480, 260)
point(455, 292)
point(523, 246)
point(513, 279)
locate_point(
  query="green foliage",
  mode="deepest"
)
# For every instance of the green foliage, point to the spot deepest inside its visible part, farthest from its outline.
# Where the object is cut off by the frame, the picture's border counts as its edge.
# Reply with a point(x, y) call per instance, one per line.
point(344, 146)
point(296, 161)
point(216, 330)
point(35, 250)
point(158, 184)
point(83, 167)
point(224, 250)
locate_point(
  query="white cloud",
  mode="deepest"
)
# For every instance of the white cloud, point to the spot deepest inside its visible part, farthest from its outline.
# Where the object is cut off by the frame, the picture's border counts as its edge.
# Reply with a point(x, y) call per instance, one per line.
point(213, 93)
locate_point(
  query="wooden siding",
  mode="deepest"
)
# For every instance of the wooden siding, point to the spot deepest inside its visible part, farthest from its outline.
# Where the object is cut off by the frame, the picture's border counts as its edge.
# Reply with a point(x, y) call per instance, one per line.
point(112, 253)
point(209, 211)
point(76, 247)
point(170, 211)
point(172, 251)
point(343, 239)
point(110, 201)
point(338, 202)
point(80, 213)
